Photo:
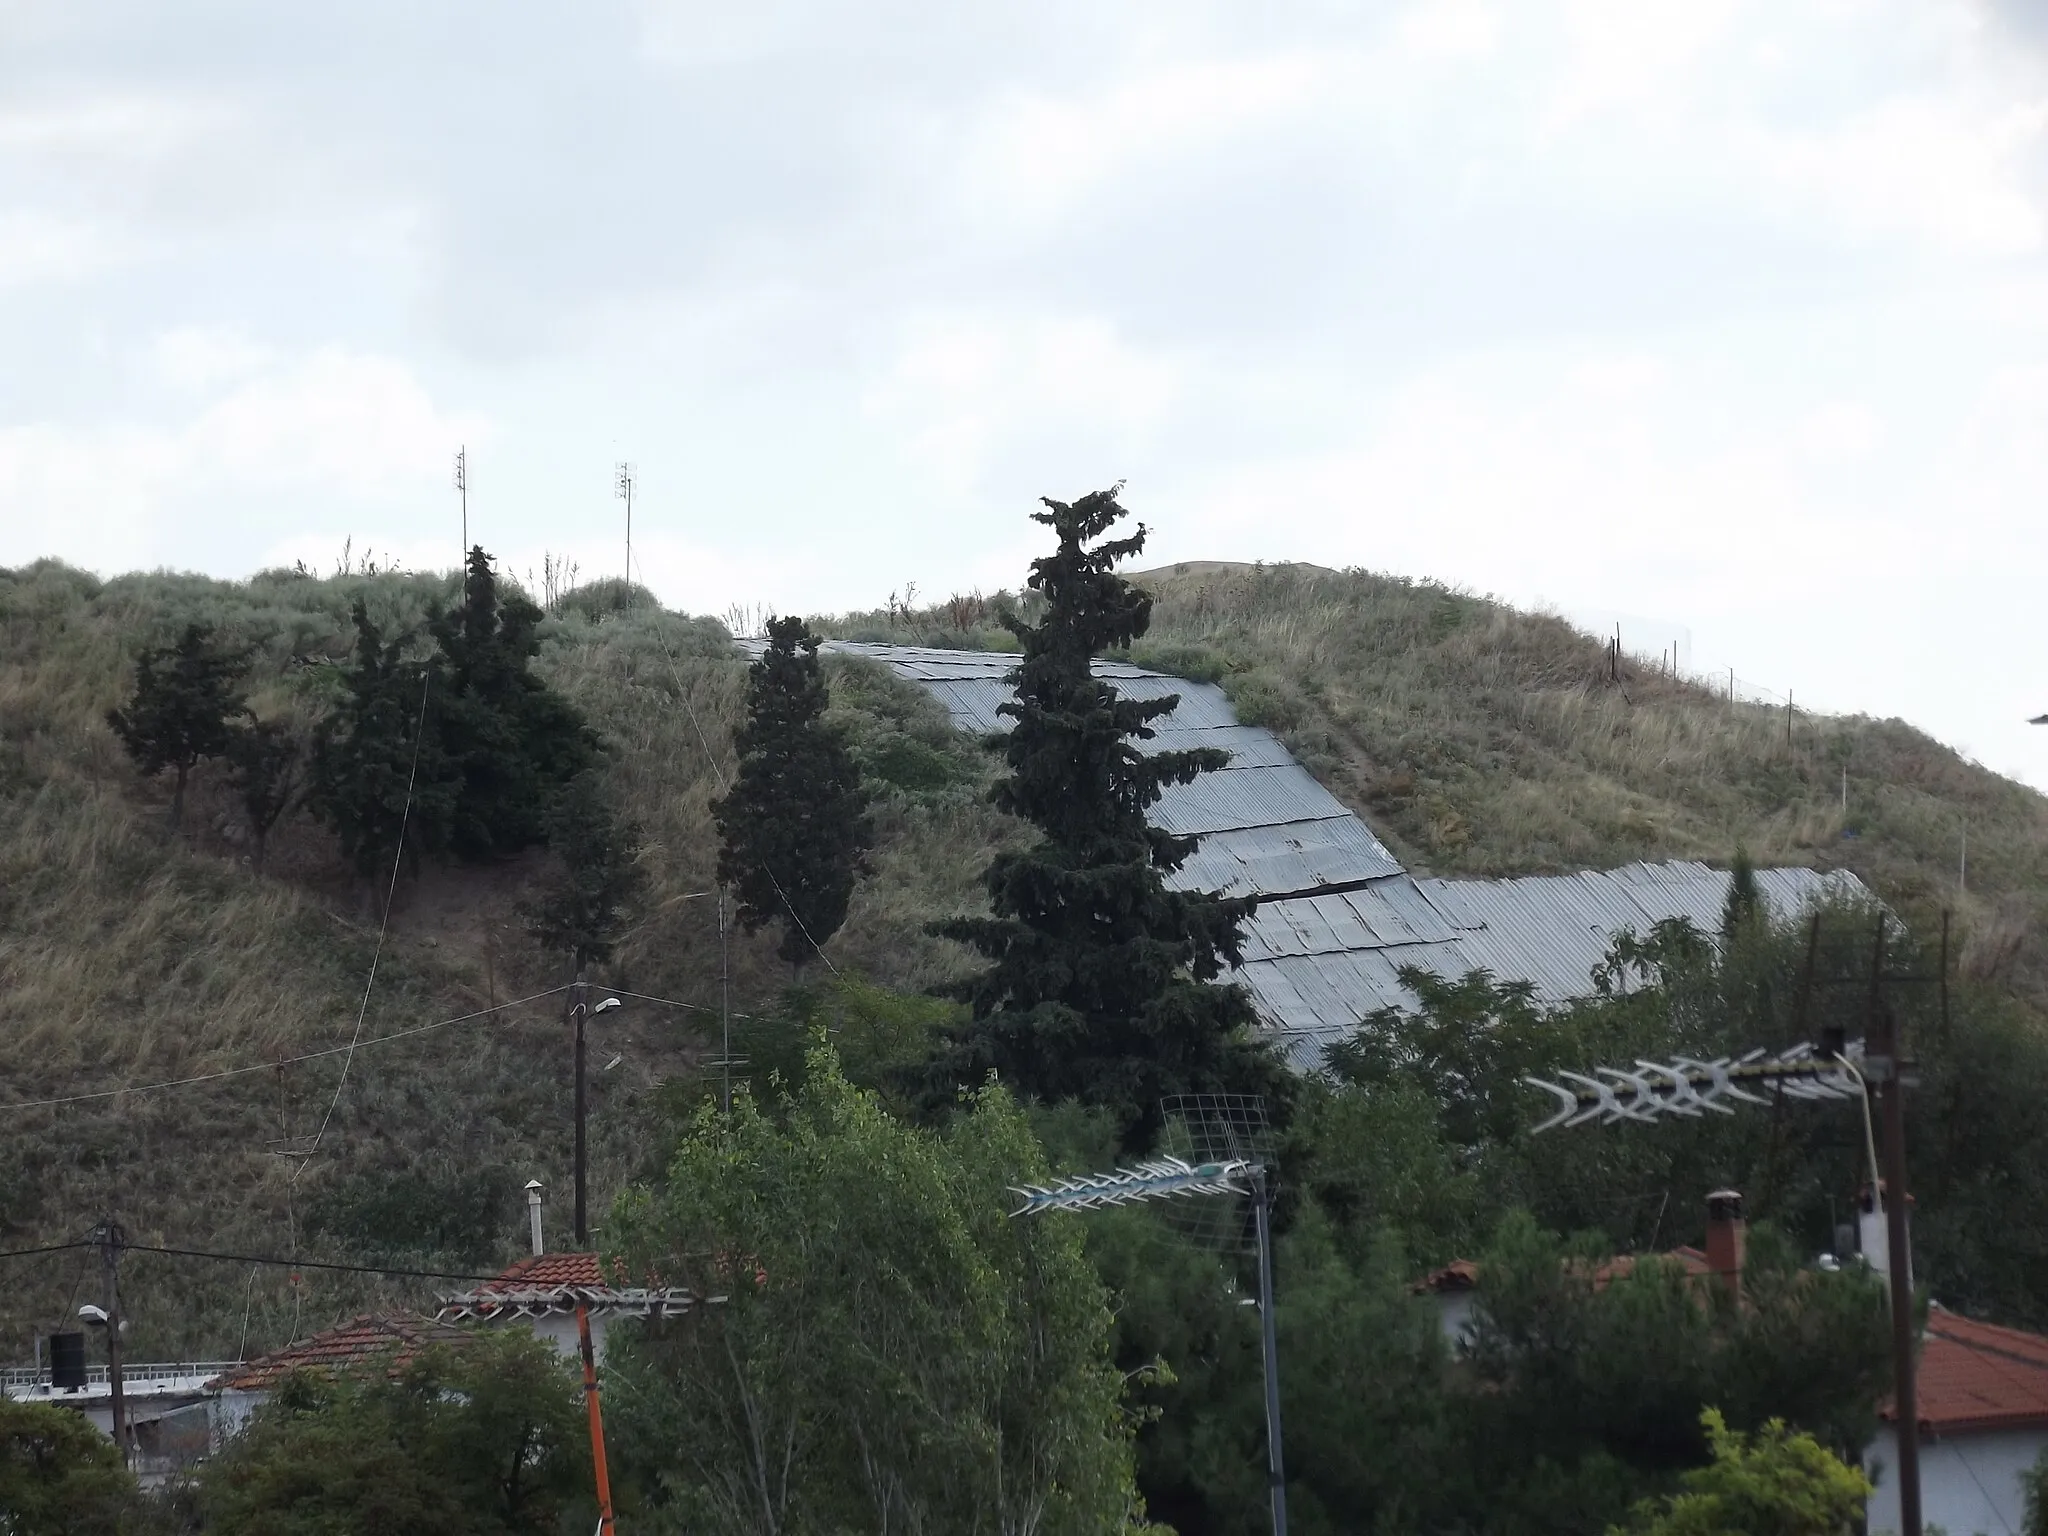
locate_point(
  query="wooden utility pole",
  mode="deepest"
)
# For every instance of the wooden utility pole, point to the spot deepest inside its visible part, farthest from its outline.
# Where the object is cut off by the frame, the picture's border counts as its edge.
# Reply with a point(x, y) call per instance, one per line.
point(110, 1237)
point(578, 1014)
point(1883, 1064)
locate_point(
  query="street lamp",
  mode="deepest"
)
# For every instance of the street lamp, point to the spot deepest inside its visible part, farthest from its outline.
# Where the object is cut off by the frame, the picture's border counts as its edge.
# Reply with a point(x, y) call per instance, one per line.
point(578, 1009)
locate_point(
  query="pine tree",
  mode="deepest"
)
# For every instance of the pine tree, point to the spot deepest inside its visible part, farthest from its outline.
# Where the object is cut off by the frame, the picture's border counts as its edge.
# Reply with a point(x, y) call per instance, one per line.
point(512, 739)
point(1743, 909)
point(583, 906)
point(379, 753)
point(1102, 986)
point(794, 830)
point(268, 765)
point(186, 695)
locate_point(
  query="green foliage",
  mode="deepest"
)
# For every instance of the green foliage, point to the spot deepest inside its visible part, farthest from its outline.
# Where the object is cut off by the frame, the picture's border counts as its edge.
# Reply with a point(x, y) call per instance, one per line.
point(510, 740)
point(1100, 986)
point(1744, 907)
point(794, 828)
point(185, 696)
point(487, 1440)
point(877, 1035)
point(596, 880)
point(2034, 1484)
point(894, 1352)
point(267, 766)
point(376, 755)
point(59, 1476)
point(1772, 1483)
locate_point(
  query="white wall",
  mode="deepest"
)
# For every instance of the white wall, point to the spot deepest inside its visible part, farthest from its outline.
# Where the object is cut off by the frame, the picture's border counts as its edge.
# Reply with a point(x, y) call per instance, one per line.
point(1968, 1483)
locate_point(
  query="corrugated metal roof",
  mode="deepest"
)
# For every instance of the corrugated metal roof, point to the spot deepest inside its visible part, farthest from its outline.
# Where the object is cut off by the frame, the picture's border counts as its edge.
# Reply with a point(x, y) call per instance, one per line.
point(1316, 964)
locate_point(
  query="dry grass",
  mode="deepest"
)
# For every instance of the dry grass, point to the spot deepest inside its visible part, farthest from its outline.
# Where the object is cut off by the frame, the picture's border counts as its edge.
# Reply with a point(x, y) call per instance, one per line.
point(128, 955)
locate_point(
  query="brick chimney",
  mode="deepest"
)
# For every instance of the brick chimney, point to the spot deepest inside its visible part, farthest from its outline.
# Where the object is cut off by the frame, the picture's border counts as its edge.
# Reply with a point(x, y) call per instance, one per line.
point(1726, 1238)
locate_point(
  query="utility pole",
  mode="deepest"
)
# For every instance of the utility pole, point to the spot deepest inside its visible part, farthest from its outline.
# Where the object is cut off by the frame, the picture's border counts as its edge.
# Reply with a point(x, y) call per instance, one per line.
point(462, 485)
point(578, 1013)
point(1884, 1063)
point(1276, 1472)
point(725, 999)
point(623, 488)
point(110, 1237)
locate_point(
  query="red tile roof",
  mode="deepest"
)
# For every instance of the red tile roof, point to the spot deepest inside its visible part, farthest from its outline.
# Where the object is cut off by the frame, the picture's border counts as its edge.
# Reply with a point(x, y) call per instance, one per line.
point(1978, 1376)
point(390, 1341)
point(544, 1271)
point(1463, 1274)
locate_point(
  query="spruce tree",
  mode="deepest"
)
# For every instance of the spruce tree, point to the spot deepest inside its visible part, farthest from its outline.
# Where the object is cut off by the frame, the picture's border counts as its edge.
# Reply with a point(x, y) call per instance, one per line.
point(379, 753)
point(513, 740)
point(1102, 986)
point(793, 829)
point(186, 696)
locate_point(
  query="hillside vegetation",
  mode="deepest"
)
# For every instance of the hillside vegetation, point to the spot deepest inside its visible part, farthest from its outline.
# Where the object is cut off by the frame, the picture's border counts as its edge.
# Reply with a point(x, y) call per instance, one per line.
point(1475, 739)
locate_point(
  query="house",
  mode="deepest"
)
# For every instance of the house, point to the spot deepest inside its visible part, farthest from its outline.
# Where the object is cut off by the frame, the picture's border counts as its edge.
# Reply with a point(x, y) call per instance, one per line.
point(382, 1343)
point(1982, 1389)
point(543, 1292)
point(1983, 1400)
point(165, 1406)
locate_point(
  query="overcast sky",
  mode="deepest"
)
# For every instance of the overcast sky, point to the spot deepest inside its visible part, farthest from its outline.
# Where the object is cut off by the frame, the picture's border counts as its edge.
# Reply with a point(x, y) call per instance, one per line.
point(1730, 317)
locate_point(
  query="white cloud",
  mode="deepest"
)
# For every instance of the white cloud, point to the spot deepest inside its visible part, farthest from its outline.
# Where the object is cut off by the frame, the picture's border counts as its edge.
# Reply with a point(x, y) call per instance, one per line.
point(40, 246)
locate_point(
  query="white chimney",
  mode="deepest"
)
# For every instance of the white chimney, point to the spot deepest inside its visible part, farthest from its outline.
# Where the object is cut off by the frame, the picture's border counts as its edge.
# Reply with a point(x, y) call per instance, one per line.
point(1874, 1239)
point(533, 1189)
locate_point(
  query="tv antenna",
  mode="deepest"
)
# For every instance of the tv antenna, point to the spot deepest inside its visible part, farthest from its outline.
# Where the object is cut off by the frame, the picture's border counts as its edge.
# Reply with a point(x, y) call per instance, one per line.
point(622, 487)
point(1218, 1146)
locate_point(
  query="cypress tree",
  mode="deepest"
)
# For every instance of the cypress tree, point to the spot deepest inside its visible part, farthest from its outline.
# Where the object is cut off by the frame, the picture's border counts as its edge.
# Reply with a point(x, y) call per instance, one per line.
point(512, 740)
point(268, 764)
point(583, 905)
point(793, 830)
point(185, 697)
point(1101, 986)
point(380, 742)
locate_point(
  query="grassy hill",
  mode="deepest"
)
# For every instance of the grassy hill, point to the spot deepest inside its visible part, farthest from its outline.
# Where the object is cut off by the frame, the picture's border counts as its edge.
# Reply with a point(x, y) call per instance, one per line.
point(1475, 739)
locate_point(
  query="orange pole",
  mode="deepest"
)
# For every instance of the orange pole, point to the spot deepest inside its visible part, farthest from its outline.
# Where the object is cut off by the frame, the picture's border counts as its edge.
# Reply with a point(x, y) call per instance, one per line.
point(604, 1478)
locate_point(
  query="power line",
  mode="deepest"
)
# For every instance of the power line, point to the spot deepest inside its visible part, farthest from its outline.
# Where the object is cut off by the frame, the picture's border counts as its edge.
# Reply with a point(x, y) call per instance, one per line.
point(23, 1253)
point(285, 1061)
point(257, 1258)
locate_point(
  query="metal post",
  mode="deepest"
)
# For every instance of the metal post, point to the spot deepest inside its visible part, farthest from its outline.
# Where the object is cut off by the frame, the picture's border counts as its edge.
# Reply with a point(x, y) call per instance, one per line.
point(110, 1237)
point(597, 1458)
point(1883, 1032)
point(1276, 1471)
point(577, 1012)
point(725, 1001)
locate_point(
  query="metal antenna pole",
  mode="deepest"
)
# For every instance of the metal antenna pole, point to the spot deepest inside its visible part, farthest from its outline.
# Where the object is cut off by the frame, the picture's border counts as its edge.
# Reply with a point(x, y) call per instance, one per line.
point(462, 485)
point(623, 487)
point(110, 1237)
point(578, 1012)
point(1276, 1471)
point(725, 999)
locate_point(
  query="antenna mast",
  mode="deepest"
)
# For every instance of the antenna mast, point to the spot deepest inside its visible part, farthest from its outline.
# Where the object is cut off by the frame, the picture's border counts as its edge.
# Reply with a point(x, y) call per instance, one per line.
point(462, 485)
point(623, 488)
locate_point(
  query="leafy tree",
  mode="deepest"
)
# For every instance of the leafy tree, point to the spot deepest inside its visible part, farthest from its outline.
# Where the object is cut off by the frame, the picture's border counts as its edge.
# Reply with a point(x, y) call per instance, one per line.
point(185, 697)
point(379, 775)
point(267, 762)
point(793, 829)
point(584, 903)
point(1744, 908)
point(2034, 1483)
point(1774, 1483)
point(511, 740)
point(487, 1440)
point(1101, 982)
point(58, 1475)
point(894, 1352)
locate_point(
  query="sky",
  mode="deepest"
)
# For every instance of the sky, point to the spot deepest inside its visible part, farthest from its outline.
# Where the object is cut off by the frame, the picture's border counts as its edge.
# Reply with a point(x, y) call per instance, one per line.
point(1727, 319)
